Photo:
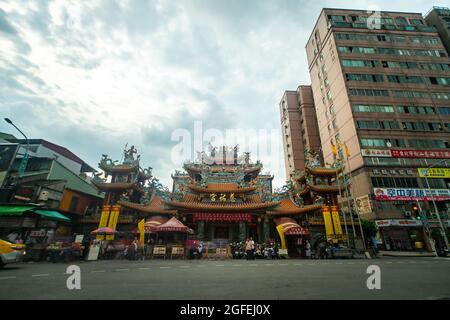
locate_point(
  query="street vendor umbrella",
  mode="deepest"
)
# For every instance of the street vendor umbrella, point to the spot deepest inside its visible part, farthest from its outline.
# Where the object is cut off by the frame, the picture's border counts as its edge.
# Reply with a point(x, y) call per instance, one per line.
point(103, 231)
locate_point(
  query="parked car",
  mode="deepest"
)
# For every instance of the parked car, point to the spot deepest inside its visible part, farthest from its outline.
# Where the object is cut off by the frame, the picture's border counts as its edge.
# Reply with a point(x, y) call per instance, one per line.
point(10, 252)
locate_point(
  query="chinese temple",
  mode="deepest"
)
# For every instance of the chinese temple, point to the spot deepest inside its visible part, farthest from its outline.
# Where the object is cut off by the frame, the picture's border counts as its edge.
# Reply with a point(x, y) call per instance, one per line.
point(127, 186)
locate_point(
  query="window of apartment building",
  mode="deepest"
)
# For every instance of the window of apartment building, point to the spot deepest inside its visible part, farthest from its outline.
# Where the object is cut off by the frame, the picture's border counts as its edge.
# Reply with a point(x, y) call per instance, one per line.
point(443, 81)
point(370, 124)
point(405, 79)
point(334, 124)
point(379, 142)
point(416, 109)
point(332, 111)
point(410, 94)
point(401, 21)
point(416, 22)
point(422, 126)
point(369, 92)
point(390, 182)
point(400, 64)
point(424, 40)
point(360, 63)
point(436, 183)
point(435, 66)
point(434, 144)
point(441, 95)
point(430, 53)
point(364, 50)
point(367, 124)
point(372, 108)
point(444, 110)
point(336, 18)
point(364, 77)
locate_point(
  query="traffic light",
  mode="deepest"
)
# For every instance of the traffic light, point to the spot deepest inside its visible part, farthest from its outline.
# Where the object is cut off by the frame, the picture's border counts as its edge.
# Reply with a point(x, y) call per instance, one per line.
point(416, 212)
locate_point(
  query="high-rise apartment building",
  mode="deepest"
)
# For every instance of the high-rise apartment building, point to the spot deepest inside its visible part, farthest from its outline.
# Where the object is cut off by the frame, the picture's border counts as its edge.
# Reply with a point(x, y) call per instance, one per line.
point(299, 127)
point(381, 86)
point(439, 18)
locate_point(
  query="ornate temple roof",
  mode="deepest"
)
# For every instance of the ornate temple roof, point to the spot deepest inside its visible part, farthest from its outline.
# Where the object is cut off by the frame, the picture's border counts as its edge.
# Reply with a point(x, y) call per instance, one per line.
point(119, 168)
point(118, 186)
point(221, 187)
point(287, 207)
point(221, 206)
point(156, 206)
point(323, 171)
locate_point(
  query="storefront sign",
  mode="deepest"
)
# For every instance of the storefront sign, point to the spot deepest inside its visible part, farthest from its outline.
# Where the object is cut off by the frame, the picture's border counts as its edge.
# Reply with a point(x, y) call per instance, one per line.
point(396, 194)
point(38, 233)
point(435, 154)
point(376, 153)
point(398, 223)
point(434, 172)
point(364, 205)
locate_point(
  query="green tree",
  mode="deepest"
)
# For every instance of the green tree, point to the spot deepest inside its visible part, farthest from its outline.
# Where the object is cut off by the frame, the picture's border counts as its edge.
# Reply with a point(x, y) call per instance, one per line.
point(369, 228)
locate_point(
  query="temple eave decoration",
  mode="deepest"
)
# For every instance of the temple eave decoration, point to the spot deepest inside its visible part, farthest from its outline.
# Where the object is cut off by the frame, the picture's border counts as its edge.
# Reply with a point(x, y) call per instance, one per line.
point(323, 171)
point(235, 207)
point(151, 209)
point(221, 188)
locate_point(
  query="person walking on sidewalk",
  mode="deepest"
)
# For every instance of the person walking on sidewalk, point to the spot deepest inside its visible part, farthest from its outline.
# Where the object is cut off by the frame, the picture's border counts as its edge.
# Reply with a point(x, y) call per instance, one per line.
point(249, 247)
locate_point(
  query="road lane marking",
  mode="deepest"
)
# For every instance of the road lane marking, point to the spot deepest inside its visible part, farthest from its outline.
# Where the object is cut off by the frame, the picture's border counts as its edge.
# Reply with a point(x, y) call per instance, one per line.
point(122, 269)
point(184, 267)
point(400, 262)
point(97, 271)
point(40, 275)
point(165, 267)
point(144, 268)
point(220, 265)
point(268, 264)
point(10, 277)
point(298, 264)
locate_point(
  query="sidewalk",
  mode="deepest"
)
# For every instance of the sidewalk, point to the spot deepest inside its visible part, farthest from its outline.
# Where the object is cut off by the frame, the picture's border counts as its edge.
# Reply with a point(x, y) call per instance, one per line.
point(382, 253)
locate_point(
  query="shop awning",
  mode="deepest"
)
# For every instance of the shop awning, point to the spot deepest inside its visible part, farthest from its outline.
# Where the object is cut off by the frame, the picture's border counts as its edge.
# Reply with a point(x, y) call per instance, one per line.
point(50, 214)
point(173, 225)
point(291, 227)
point(14, 210)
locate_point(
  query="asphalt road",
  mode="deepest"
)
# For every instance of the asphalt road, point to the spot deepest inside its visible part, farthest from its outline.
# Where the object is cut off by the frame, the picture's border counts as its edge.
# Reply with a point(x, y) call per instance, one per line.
point(401, 278)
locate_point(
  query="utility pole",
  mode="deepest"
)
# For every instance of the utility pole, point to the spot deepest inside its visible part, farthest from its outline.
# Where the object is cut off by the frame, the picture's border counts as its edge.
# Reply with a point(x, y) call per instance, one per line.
point(443, 233)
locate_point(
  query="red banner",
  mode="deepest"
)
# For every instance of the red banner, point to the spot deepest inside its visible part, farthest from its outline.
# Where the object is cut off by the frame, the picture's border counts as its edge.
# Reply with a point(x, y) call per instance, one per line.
point(235, 217)
point(437, 154)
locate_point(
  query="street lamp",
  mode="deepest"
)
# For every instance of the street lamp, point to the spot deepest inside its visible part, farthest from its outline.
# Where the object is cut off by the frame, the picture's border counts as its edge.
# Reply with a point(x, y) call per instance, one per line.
point(434, 202)
point(23, 163)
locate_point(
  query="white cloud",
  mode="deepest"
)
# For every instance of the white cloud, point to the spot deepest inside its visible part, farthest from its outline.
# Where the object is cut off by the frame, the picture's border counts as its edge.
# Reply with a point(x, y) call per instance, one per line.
point(93, 75)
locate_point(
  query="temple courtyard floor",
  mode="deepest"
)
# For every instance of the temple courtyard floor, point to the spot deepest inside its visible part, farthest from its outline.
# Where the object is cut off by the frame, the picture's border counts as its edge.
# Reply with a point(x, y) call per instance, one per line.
point(400, 278)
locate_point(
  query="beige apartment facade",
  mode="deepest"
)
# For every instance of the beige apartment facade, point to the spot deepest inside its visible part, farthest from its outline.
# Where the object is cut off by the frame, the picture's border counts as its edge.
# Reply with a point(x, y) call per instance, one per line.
point(381, 86)
point(299, 127)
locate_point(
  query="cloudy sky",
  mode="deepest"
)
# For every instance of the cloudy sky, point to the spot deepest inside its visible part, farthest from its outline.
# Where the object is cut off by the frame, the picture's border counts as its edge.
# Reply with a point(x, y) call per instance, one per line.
point(94, 75)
